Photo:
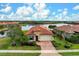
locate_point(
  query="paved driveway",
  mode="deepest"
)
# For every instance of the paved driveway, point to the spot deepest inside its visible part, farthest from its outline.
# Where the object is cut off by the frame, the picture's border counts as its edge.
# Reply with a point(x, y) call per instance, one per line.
point(48, 48)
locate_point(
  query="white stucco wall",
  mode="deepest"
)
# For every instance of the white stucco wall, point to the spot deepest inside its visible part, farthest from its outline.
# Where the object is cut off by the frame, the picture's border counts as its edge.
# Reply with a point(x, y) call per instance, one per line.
point(45, 38)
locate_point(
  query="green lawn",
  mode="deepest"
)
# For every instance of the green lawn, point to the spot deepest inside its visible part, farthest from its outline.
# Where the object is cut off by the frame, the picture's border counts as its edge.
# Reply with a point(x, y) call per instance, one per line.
point(61, 42)
point(24, 48)
point(4, 42)
point(5, 45)
point(19, 54)
point(70, 54)
point(75, 46)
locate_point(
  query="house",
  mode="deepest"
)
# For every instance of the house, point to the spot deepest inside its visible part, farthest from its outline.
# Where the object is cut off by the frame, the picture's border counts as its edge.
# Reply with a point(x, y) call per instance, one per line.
point(4, 30)
point(69, 28)
point(7, 23)
point(40, 33)
point(65, 28)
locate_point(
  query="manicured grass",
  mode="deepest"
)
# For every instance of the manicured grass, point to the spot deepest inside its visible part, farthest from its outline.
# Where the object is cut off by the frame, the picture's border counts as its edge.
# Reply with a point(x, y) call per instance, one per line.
point(59, 43)
point(70, 53)
point(24, 48)
point(5, 45)
point(75, 46)
point(63, 42)
point(4, 42)
point(19, 54)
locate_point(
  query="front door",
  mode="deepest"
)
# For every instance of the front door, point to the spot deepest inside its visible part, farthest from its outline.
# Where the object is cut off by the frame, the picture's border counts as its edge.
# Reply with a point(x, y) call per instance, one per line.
point(36, 38)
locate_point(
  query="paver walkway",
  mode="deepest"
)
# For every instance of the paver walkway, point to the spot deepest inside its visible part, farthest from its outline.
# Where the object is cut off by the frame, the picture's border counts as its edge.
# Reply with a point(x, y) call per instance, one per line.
point(47, 45)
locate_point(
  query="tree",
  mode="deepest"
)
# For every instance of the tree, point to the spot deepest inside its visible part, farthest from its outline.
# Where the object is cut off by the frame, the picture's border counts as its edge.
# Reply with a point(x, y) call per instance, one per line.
point(16, 34)
point(52, 26)
point(73, 38)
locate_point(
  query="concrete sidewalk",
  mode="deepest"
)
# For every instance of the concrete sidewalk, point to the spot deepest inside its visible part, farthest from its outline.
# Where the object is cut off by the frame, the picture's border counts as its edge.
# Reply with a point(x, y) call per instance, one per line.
point(37, 51)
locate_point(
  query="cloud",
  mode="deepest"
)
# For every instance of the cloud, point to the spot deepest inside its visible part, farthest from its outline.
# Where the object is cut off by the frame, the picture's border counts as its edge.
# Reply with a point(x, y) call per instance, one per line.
point(53, 13)
point(44, 13)
point(75, 17)
point(7, 9)
point(24, 11)
point(41, 11)
point(31, 12)
point(34, 12)
point(65, 12)
point(76, 7)
point(39, 6)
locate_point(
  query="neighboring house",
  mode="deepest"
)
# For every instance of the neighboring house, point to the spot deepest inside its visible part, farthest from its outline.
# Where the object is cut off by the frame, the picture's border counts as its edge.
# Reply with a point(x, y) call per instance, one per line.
point(69, 28)
point(40, 33)
point(3, 32)
point(66, 28)
point(7, 23)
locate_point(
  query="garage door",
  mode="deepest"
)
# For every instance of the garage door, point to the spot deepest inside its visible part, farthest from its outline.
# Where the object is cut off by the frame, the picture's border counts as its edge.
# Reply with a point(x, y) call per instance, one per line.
point(45, 38)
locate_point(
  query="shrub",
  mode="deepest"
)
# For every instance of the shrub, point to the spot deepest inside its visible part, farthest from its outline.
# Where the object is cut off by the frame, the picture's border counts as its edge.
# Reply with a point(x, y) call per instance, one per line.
point(67, 46)
point(31, 43)
point(56, 44)
point(13, 43)
point(73, 39)
point(52, 26)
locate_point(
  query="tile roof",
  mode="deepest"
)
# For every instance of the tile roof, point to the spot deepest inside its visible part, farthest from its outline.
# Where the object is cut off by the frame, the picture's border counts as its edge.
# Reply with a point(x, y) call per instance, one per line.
point(5, 23)
point(43, 30)
point(76, 27)
point(69, 28)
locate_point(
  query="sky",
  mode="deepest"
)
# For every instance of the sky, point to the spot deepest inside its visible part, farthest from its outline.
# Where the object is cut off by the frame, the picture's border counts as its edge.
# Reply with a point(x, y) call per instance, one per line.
point(39, 11)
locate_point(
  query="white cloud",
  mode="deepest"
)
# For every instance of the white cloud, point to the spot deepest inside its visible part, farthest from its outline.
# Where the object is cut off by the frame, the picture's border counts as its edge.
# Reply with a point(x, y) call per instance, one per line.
point(28, 13)
point(41, 11)
point(53, 13)
point(65, 12)
point(44, 13)
point(24, 11)
point(39, 6)
point(36, 15)
point(76, 7)
point(6, 9)
point(75, 17)
point(27, 18)
point(41, 14)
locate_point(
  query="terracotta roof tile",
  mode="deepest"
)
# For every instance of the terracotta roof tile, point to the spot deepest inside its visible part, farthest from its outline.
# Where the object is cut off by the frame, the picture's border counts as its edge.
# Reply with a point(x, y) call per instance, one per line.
point(69, 28)
point(5, 23)
point(41, 29)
